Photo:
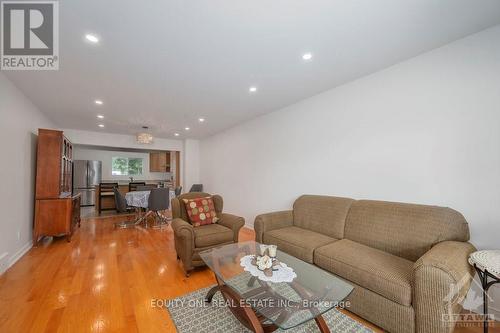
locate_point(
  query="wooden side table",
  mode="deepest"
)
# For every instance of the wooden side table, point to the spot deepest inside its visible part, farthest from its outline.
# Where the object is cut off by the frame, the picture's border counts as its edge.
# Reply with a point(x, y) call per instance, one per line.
point(487, 265)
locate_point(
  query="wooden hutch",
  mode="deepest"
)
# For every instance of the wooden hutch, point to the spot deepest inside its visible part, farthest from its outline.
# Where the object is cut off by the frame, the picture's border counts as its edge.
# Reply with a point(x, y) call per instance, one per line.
point(57, 211)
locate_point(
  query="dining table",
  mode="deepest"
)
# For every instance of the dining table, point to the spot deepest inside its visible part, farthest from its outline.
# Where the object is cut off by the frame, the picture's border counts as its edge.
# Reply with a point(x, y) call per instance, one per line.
point(139, 200)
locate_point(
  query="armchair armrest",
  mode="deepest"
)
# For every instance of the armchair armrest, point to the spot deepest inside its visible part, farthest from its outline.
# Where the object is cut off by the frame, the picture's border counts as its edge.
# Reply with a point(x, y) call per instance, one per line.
point(271, 221)
point(233, 222)
point(183, 229)
point(442, 278)
point(184, 241)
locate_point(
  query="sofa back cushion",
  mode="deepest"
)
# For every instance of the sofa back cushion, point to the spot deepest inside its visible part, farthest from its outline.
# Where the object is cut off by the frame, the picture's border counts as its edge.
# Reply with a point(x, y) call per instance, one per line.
point(405, 230)
point(323, 214)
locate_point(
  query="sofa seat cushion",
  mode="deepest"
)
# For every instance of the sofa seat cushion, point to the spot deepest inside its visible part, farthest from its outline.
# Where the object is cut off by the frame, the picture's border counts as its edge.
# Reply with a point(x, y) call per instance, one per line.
point(297, 242)
point(212, 234)
point(381, 272)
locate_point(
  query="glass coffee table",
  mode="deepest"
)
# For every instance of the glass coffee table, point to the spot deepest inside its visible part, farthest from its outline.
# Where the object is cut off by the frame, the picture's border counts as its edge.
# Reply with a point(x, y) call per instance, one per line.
point(266, 306)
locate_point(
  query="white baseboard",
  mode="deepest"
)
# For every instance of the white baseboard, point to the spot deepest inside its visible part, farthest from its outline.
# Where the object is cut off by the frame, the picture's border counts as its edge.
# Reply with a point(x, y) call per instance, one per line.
point(16, 256)
point(4, 262)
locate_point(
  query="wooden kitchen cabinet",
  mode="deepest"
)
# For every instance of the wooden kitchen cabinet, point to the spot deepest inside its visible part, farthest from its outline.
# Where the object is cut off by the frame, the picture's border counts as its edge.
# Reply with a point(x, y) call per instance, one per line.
point(159, 161)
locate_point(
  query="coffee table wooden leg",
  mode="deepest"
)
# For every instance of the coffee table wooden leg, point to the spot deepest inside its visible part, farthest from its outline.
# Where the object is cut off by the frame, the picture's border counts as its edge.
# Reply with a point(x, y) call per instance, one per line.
point(243, 312)
point(211, 294)
point(323, 327)
point(251, 281)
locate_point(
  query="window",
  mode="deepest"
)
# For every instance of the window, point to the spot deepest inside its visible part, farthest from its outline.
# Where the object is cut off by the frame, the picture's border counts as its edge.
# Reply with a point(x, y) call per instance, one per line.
point(126, 166)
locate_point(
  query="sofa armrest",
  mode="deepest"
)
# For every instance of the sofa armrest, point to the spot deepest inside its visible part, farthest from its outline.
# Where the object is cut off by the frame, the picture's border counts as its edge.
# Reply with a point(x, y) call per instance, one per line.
point(233, 222)
point(442, 278)
point(271, 221)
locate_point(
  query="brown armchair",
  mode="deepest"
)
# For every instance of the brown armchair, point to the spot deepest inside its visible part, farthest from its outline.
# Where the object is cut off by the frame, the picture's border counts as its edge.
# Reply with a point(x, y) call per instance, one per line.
point(190, 241)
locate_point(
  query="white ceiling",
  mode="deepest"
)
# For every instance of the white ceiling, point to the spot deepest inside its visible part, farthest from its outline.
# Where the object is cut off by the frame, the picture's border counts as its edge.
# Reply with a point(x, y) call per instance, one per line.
point(166, 63)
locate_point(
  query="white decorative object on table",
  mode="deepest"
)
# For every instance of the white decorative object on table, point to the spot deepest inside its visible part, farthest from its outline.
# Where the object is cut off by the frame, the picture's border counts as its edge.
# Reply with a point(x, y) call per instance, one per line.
point(488, 260)
point(281, 272)
point(272, 250)
point(264, 262)
point(262, 249)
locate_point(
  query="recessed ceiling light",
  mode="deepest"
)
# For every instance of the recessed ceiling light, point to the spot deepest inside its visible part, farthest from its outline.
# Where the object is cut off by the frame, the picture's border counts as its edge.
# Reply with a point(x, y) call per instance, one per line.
point(307, 56)
point(176, 134)
point(98, 102)
point(92, 38)
point(101, 125)
point(100, 116)
point(252, 89)
point(201, 120)
point(187, 128)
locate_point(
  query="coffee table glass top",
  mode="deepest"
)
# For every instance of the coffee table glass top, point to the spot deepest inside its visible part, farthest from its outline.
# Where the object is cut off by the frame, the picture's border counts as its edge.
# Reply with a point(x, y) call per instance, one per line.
point(286, 304)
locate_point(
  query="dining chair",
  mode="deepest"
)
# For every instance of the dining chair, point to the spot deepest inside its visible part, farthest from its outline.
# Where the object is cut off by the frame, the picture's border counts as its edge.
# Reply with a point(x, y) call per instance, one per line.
point(133, 185)
point(159, 200)
point(178, 191)
point(122, 207)
point(196, 188)
point(121, 202)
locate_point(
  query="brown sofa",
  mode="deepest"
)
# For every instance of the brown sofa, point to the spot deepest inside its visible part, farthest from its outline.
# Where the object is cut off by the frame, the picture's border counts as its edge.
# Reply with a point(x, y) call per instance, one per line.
point(401, 258)
point(190, 241)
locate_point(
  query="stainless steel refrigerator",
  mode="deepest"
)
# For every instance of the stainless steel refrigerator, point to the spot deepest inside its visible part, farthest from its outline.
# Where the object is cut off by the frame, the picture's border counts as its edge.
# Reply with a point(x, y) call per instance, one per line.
point(86, 177)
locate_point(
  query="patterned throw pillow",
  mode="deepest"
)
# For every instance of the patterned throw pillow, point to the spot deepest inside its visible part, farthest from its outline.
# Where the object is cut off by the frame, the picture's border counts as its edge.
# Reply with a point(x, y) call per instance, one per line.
point(201, 211)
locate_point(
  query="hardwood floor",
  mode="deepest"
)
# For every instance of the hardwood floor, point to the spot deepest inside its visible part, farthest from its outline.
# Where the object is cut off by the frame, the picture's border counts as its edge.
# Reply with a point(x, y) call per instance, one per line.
point(103, 281)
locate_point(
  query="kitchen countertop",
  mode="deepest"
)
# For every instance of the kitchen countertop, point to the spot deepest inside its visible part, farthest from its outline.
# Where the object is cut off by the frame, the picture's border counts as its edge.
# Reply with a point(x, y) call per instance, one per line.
point(126, 182)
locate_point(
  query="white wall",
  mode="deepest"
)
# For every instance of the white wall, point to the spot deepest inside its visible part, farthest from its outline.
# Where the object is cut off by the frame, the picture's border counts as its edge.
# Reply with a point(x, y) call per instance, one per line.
point(105, 156)
point(191, 163)
point(424, 131)
point(119, 140)
point(19, 123)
